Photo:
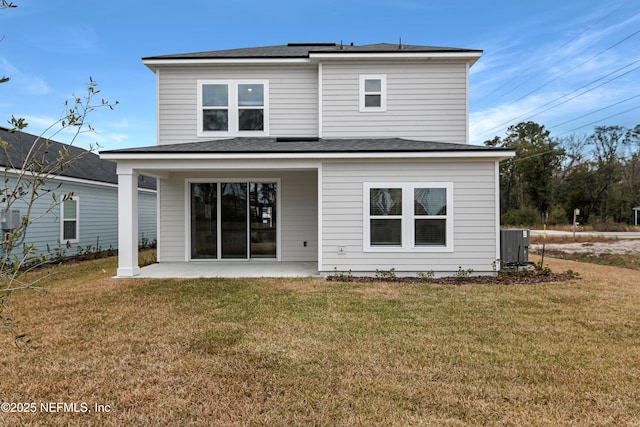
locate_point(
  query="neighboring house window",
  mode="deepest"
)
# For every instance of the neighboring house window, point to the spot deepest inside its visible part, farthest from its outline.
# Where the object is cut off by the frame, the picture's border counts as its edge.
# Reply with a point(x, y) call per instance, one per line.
point(70, 220)
point(233, 107)
point(408, 217)
point(373, 93)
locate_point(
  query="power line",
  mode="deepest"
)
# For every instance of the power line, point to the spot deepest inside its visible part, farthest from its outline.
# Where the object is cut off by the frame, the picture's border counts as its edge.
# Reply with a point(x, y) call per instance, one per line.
point(596, 111)
point(550, 55)
point(601, 120)
point(537, 112)
point(542, 109)
point(562, 75)
point(577, 66)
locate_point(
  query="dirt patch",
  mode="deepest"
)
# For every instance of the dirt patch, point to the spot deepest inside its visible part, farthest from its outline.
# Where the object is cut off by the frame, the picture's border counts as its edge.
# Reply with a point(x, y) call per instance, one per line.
point(611, 247)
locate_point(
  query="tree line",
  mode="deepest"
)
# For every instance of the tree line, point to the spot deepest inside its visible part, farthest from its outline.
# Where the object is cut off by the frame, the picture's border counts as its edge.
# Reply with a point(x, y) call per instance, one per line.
point(549, 178)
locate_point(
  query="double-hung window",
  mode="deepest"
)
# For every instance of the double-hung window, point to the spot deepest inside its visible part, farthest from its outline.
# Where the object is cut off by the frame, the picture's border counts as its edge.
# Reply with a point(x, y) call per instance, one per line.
point(416, 216)
point(70, 224)
point(233, 108)
point(373, 92)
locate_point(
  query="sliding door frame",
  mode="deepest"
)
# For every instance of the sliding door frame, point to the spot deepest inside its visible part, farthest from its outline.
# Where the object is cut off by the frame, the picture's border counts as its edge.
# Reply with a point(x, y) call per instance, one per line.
point(241, 180)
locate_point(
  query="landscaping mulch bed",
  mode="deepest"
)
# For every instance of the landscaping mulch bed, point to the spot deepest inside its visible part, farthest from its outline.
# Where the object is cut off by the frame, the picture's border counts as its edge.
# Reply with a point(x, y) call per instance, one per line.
point(523, 278)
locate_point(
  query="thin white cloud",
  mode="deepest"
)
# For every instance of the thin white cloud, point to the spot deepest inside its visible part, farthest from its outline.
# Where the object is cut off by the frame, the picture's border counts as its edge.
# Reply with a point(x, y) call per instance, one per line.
point(486, 124)
point(38, 124)
point(106, 139)
point(122, 124)
point(31, 84)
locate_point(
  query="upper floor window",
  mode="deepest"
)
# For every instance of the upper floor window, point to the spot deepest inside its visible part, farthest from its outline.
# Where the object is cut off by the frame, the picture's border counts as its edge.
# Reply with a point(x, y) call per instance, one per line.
point(373, 92)
point(409, 216)
point(230, 108)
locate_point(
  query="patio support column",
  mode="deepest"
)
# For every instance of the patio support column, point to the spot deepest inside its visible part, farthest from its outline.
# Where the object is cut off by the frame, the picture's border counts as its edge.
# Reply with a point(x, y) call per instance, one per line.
point(128, 224)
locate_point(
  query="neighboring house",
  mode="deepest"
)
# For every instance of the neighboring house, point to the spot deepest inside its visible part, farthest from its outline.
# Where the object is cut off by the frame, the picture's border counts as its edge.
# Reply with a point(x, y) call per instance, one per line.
point(88, 220)
point(352, 157)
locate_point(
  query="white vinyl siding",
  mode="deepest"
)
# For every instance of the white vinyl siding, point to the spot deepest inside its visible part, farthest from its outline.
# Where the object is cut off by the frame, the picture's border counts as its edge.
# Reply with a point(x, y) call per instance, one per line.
point(474, 215)
point(172, 230)
point(292, 101)
point(299, 221)
point(298, 212)
point(424, 100)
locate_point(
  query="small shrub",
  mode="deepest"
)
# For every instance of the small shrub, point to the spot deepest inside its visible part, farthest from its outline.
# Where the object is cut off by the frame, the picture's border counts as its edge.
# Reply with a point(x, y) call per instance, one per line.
point(386, 274)
point(148, 260)
point(542, 270)
point(570, 272)
point(426, 276)
point(463, 275)
point(146, 243)
point(342, 276)
point(57, 254)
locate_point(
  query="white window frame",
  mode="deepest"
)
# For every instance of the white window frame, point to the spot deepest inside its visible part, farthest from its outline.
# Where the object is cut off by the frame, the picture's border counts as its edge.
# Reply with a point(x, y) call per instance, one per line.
point(233, 109)
point(382, 93)
point(408, 217)
point(76, 219)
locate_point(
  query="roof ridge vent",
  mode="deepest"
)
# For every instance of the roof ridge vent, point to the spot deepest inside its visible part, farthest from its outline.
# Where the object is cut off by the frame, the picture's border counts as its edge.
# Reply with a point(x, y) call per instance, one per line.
point(311, 44)
point(297, 139)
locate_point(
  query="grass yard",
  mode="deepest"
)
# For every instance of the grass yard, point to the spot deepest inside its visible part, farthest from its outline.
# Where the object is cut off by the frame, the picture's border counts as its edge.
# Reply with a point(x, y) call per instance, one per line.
point(311, 352)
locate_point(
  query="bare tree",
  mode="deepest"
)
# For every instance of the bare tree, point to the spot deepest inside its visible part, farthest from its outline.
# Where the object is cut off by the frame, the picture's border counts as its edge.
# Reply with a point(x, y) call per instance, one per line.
point(34, 180)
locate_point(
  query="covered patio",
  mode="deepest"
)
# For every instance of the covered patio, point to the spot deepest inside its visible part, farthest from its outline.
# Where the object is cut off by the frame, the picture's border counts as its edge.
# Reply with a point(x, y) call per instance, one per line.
point(232, 269)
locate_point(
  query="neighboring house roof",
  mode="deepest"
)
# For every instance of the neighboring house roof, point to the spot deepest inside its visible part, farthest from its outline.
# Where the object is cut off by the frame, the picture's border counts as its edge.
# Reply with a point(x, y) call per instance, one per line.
point(89, 167)
point(305, 50)
point(308, 145)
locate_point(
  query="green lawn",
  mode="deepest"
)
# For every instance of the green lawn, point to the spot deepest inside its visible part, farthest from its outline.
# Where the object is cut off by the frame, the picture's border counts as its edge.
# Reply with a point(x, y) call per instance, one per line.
point(311, 352)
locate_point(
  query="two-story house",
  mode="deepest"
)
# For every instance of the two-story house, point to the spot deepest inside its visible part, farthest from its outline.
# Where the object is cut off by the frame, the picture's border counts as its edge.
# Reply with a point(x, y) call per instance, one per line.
point(343, 157)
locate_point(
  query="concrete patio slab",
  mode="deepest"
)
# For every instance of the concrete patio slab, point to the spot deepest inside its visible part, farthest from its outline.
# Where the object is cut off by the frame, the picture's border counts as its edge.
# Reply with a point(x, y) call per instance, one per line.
point(191, 270)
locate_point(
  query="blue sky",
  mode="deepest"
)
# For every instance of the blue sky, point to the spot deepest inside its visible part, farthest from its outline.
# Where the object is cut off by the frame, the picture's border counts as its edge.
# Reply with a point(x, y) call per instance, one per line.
point(569, 65)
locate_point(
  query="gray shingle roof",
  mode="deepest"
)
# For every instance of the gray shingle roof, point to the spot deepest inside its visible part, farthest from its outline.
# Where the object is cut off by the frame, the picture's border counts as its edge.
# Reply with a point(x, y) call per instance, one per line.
point(88, 167)
point(303, 50)
point(307, 145)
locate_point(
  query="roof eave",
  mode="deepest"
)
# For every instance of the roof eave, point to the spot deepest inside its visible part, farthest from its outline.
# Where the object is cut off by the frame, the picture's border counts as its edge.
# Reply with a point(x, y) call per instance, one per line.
point(313, 57)
point(467, 56)
point(495, 154)
point(153, 64)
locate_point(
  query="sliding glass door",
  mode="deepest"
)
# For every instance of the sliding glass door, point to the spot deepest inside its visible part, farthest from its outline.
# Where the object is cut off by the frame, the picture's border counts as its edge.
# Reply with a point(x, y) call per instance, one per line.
point(263, 219)
point(233, 220)
point(204, 220)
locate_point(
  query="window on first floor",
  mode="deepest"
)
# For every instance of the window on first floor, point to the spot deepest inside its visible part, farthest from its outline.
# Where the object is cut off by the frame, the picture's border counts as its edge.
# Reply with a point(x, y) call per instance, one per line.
point(229, 108)
point(408, 216)
point(70, 224)
point(373, 93)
